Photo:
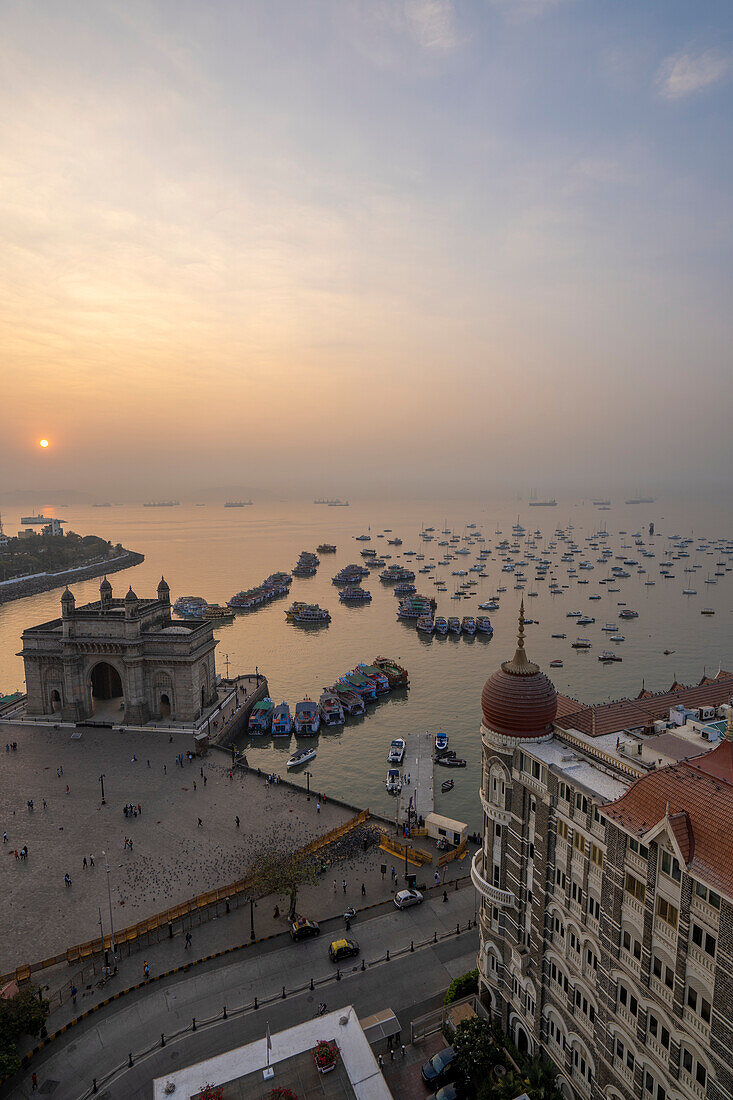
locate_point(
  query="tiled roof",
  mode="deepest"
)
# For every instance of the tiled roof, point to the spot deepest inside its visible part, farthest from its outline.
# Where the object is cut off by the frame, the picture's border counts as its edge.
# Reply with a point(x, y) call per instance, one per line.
point(622, 714)
point(696, 797)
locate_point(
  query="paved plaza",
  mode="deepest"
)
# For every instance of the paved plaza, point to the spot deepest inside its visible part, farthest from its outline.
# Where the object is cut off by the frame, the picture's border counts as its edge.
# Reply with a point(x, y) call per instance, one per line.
point(172, 857)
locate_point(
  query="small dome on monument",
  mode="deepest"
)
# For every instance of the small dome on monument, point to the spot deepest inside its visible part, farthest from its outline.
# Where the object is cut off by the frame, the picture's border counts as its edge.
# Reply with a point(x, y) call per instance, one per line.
point(105, 586)
point(67, 596)
point(163, 590)
point(518, 700)
point(130, 597)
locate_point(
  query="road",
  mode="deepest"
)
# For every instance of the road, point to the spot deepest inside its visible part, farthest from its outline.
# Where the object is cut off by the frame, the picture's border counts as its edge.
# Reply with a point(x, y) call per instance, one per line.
point(409, 984)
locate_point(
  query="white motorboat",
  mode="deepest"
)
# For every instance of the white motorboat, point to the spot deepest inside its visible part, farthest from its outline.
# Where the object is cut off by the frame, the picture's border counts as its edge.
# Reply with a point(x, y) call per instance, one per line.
point(302, 756)
point(396, 751)
point(394, 781)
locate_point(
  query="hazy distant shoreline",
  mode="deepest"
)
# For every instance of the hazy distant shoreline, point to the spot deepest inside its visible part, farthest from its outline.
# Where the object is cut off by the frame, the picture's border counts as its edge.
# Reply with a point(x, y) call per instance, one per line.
point(31, 586)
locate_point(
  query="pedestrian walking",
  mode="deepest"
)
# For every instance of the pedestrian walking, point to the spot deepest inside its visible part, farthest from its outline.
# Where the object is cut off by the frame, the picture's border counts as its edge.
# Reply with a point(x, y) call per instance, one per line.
point(34, 1082)
point(148, 763)
point(334, 886)
point(146, 970)
point(44, 803)
point(67, 879)
point(5, 838)
point(205, 780)
point(237, 821)
point(402, 1050)
point(84, 863)
point(202, 773)
point(343, 883)
point(445, 895)
point(380, 1060)
point(318, 807)
point(200, 823)
point(91, 861)
point(165, 770)
point(187, 944)
point(74, 992)
point(67, 789)
point(363, 890)
point(194, 784)
point(436, 876)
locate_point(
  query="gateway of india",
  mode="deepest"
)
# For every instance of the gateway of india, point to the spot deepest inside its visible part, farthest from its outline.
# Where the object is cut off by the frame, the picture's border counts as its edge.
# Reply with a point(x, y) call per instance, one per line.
point(117, 655)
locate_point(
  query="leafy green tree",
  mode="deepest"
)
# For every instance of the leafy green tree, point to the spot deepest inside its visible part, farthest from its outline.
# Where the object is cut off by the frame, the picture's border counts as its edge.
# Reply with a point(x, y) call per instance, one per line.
point(476, 1051)
point(23, 1014)
point(462, 986)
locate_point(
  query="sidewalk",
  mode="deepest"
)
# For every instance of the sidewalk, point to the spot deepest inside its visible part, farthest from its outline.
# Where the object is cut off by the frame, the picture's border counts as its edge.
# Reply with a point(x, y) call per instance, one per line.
point(232, 930)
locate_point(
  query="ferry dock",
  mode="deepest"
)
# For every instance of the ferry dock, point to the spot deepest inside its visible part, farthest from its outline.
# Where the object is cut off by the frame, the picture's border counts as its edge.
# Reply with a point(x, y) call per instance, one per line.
point(416, 799)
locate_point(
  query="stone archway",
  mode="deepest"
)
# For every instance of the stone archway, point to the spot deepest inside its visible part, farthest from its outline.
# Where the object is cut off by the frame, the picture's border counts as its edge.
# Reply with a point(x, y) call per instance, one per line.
point(106, 684)
point(521, 1039)
point(165, 705)
point(55, 701)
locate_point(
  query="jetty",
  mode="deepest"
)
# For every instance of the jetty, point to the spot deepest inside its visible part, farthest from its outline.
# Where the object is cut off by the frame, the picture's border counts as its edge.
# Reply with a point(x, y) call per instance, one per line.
point(416, 797)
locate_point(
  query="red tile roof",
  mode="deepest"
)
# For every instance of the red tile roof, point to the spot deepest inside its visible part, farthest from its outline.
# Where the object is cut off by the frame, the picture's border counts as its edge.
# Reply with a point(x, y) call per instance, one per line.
point(697, 798)
point(622, 714)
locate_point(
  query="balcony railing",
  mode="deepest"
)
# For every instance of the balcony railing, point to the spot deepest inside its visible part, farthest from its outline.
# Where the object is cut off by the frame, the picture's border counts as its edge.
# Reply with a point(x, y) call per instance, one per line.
point(491, 893)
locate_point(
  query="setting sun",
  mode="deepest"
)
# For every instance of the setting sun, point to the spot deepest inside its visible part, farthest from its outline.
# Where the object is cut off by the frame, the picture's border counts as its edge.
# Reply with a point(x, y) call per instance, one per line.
point(44, 443)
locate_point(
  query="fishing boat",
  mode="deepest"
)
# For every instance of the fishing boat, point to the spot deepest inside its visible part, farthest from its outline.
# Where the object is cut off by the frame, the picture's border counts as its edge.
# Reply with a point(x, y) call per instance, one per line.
point(558, 635)
point(556, 664)
point(483, 625)
point(707, 611)
point(396, 752)
point(609, 656)
point(441, 742)
point(307, 719)
point(581, 643)
point(425, 624)
point(447, 785)
point(302, 756)
point(490, 605)
point(349, 699)
point(363, 538)
point(396, 674)
point(468, 624)
point(454, 625)
point(394, 781)
point(441, 625)
point(395, 542)
point(627, 613)
point(585, 620)
point(282, 722)
point(260, 718)
point(450, 761)
point(326, 548)
point(332, 712)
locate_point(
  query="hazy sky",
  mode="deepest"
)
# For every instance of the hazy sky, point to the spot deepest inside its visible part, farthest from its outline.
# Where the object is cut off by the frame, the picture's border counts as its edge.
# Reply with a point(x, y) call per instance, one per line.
point(350, 243)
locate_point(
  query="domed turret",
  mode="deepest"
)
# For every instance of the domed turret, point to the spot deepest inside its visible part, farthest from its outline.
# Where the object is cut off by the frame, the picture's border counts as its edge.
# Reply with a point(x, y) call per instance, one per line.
point(164, 592)
point(130, 597)
point(518, 700)
point(68, 603)
point(105, 594)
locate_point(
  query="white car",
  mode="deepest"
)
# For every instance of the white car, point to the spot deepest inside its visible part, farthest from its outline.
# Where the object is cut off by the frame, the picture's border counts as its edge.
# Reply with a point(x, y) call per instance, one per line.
point(405, 898)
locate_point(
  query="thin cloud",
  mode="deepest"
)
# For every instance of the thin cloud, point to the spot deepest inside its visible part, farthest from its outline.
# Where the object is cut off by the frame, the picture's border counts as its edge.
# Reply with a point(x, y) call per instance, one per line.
point(519, 10)
point(685, 73)
point(432, 23)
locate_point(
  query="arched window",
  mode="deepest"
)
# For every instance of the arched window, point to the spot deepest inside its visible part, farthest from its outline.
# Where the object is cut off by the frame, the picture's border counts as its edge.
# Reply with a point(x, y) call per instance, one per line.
point(697, 999)
point(693, 1065)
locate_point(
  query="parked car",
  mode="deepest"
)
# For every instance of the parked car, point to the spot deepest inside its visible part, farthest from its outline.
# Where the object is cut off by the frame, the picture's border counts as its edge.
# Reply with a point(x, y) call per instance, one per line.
point(405, 898)
point(342, 949)
point(302, 928)
point(438, 1069)
point(447, 1092)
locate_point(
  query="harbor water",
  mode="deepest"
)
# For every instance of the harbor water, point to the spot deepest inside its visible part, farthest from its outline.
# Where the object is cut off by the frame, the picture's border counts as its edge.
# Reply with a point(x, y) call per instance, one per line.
point(215, 552)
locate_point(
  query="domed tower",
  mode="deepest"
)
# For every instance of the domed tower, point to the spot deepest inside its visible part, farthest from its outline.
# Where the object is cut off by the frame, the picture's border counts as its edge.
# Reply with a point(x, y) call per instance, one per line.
point(519, 704)
point(164, 592)
point(130, 604)
point(105, 595)
point(68, 603)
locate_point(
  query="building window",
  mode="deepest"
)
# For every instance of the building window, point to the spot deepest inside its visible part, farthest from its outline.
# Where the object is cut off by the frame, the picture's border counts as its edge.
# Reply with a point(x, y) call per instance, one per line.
point(532, 806)
point(598, 817)
point(594, 908)
point(699, 1005)
point(579, 843)
point(563, 829)
point(628, 1000)
point(637, 848)
point(537, 770)
point(695, 1068)
point(531, 850)
point(560, 878)
point(565, 792)
point(558, 926)
point(704, 940)
point(581, 803)
point(558, 977)
point(670, 866)
point(667, 912)
point(582, 1002)
point(497, 830)
point(625, 1055)
point(658, 1030)
point(635, 887)
point(596, 855)
point(663, 972)
point(631, 944)
point(707, 895)
point(555, 1033)
point(576, 893)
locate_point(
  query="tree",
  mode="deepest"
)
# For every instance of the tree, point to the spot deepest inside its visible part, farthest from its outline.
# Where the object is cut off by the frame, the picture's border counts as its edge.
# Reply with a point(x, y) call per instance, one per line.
point(462, 986)
point(23, 1014)
point(476, 1051)
point(281, 872)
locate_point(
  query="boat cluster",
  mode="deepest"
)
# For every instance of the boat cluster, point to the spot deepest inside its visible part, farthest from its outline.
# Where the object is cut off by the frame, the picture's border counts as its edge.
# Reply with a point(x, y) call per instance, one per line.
point(196, 607)
point(469, 624)
point(306, 565)
point(307, 614)
point(277, 584)
point(348, 696)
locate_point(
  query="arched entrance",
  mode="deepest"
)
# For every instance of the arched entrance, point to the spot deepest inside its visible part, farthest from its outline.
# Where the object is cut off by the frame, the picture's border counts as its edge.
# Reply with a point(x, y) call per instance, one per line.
point(106, 689)
point(520, 1038)
point(55, 701)
point(165, 706)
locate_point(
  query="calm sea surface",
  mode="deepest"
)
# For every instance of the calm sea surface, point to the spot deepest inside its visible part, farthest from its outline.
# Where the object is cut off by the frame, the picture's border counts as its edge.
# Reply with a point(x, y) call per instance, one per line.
point(215, 551)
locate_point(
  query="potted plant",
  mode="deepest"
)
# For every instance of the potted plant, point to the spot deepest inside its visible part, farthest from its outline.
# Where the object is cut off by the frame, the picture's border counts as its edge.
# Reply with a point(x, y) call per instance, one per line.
point(325, 1055)
point(281, 1092)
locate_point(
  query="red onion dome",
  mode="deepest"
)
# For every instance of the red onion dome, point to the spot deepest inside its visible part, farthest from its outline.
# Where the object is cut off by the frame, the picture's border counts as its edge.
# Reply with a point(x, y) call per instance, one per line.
point(518, 700)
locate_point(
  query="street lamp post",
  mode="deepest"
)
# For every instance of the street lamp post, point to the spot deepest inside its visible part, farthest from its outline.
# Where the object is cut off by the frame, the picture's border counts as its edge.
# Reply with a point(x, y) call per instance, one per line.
point(109, 899)
point(308, 784)
point(251, 918)
point(101, 780)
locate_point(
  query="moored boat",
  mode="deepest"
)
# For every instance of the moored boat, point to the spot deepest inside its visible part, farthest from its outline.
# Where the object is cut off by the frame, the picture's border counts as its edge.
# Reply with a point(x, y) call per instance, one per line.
point(396, 674)
point(394, 781)
point(282, 722)
point(349, 699)
point(260, 718)
point(396, 752)
point(468, 624)
point(302, 756)
point(483, 625)
point(307, 718)
point(454, 625)
point(332, 712)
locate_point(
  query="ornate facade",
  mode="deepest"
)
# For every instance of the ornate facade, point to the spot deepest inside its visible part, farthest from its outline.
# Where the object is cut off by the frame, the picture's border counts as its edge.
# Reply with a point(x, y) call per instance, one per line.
point(129, 649)
point(606, 919)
